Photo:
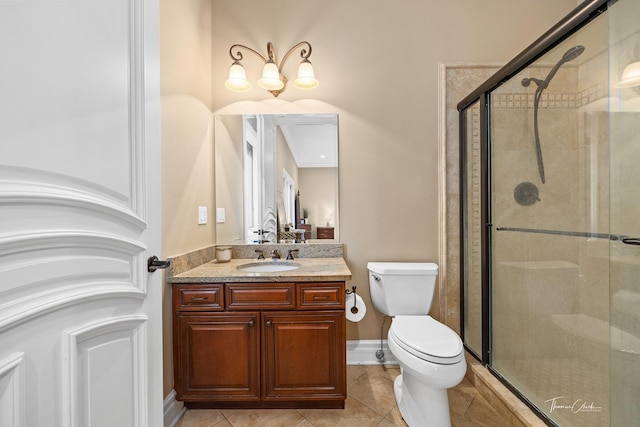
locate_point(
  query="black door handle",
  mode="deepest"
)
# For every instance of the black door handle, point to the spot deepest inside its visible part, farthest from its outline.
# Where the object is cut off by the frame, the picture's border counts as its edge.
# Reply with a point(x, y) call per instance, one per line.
point(631, 240)
point(153, 263)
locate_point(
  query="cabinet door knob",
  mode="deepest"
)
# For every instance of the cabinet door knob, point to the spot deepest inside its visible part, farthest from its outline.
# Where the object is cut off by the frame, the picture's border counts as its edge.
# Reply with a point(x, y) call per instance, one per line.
point(268, 323)
point(251, 323)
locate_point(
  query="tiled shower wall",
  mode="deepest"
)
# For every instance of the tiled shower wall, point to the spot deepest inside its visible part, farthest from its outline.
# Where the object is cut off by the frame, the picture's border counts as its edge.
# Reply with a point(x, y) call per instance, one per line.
point(457, 82)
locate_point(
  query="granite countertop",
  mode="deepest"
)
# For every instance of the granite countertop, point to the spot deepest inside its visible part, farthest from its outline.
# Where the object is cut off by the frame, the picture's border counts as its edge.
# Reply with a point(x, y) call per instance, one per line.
point(311, 270)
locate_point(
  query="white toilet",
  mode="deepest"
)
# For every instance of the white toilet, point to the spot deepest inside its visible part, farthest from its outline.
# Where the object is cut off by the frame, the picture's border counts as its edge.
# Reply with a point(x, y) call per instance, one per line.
point(430, 354)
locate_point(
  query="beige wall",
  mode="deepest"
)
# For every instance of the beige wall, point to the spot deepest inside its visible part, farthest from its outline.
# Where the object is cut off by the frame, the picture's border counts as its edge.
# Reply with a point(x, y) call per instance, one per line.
point(187, 131)
point(229, 145)
point(377, 63)
point(319, 196)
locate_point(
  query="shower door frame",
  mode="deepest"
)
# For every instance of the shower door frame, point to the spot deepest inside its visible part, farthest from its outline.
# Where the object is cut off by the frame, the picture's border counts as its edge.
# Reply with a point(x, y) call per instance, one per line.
point(575, 20)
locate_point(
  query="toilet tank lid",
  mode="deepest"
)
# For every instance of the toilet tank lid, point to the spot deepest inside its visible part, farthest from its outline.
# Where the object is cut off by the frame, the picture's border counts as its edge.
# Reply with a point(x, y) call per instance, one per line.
point(425, 268)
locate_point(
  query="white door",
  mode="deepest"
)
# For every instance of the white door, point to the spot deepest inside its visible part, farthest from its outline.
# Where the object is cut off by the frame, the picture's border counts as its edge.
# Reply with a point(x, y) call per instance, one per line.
point(80, 316)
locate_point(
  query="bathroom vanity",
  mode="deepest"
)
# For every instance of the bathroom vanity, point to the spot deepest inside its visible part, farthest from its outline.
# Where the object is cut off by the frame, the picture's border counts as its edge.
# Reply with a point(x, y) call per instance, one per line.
point(261, 340)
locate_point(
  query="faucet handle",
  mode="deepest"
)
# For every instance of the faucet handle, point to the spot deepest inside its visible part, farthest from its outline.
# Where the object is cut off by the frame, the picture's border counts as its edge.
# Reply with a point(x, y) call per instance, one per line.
point(261, 252)
point(290, 255)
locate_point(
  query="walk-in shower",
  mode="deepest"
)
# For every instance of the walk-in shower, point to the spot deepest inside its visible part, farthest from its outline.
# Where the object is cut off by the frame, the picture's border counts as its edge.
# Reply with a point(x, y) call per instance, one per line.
point(550, 261)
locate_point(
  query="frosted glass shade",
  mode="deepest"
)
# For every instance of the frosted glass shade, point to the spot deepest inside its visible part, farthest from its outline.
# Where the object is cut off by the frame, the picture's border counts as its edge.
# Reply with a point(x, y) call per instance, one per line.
point(306, 76)
point(237, 80)
point(630, 76)
point(270, 77)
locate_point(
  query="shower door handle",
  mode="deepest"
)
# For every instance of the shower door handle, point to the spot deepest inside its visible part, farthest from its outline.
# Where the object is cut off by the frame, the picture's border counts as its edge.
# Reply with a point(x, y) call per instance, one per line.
point(631, 240)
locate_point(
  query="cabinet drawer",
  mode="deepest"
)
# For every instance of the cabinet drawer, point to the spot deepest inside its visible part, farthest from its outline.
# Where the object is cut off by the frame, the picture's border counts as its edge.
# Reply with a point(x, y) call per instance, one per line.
point(199, 297)
point(321, 295)
point(253, 296)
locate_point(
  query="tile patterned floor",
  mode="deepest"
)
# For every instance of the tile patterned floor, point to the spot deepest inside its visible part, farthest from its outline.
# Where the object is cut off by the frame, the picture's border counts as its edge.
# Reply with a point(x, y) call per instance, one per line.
point(370, 403)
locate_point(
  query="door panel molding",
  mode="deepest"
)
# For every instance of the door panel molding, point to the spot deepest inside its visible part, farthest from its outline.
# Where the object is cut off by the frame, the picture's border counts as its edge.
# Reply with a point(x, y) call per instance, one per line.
point(12, 403)
point(87, 397)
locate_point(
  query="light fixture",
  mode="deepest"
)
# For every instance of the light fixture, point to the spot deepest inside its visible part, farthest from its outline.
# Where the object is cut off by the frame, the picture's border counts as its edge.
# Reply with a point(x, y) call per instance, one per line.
point(630, 76)
point(272, 78)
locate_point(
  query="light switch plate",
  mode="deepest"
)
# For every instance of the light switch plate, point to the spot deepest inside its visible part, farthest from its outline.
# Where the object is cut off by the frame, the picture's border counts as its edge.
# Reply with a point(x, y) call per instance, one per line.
point(202, 214)
point(220, 215)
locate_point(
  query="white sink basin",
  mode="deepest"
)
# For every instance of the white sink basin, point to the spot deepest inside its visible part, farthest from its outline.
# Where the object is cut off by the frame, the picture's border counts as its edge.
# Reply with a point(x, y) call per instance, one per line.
point(268, 267)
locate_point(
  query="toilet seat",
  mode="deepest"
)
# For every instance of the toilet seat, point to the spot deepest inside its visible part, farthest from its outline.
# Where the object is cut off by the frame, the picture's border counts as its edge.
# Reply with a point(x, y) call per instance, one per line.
point(426, 338)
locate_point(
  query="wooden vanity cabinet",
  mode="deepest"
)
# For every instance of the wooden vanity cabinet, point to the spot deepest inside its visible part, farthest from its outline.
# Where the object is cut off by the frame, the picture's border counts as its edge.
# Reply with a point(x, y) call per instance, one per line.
point(264, 345)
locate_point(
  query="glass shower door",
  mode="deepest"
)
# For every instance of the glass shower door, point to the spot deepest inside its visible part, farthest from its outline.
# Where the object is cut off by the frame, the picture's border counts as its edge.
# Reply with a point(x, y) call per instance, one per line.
point(549, 139)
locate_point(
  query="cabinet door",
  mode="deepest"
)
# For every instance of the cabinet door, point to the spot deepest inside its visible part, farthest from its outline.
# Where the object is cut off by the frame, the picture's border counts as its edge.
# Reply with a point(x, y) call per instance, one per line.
point(304, 355)
point(218, 356)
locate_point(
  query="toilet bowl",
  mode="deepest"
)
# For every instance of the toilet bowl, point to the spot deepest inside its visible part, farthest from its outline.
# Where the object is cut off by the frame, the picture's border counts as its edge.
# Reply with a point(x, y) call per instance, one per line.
point(430, 354)
point(430, 364)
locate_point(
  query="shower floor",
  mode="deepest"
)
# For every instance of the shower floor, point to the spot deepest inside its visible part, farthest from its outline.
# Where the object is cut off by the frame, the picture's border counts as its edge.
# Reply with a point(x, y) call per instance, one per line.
point(571, 391)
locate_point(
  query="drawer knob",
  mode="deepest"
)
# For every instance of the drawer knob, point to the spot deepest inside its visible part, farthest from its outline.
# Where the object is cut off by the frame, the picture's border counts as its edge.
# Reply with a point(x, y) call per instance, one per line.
point(268, 323)
point(252, 323)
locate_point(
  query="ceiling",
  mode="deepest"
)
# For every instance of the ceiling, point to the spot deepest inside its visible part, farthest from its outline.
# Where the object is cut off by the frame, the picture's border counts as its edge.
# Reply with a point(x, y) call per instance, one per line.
point(312, 138)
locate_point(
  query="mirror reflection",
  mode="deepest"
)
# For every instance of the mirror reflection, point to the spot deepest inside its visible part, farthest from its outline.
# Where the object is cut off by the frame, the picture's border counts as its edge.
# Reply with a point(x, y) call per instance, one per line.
point(276, 178)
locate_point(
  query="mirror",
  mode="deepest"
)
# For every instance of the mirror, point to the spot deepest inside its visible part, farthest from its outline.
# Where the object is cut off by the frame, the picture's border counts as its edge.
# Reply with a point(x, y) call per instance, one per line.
point(276, 178)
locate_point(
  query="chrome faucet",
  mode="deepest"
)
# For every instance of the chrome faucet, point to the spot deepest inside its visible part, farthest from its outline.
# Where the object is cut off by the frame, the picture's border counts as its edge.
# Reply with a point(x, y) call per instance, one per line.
point(275, 254)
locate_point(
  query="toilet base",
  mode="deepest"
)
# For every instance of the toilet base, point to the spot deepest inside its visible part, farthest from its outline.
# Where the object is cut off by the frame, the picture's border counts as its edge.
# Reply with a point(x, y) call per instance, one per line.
point(432, 404)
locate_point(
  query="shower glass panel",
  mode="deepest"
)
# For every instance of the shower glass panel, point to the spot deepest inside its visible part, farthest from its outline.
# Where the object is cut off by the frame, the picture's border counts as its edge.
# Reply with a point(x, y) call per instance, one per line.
point(551, 223)
point(472, 273)
point(624, 185)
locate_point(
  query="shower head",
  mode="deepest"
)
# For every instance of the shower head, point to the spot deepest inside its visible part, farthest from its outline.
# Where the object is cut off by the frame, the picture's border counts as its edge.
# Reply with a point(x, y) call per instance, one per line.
point(572, 53)
point(569, 55)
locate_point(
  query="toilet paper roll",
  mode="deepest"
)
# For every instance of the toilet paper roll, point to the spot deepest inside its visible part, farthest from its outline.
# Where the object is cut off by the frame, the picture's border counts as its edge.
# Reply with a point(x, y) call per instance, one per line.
point(355, 315)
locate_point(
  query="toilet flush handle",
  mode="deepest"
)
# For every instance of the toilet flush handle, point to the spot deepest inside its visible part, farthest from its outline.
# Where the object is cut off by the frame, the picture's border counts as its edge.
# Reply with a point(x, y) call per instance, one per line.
point(376, 278)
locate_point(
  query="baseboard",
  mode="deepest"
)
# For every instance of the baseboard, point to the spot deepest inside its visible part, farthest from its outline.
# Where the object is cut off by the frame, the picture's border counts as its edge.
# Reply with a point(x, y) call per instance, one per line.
point(173, 410)
point(363, 352)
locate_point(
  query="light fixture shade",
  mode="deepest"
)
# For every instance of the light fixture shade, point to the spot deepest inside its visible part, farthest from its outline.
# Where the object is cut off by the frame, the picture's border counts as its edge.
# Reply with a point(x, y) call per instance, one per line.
point(237, 80)
point(270, 77)
point(630, 76)
point(306, 76)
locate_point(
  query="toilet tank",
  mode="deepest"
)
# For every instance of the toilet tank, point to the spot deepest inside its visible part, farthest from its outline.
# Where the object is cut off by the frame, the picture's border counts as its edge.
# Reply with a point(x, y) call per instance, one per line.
point(402, 288)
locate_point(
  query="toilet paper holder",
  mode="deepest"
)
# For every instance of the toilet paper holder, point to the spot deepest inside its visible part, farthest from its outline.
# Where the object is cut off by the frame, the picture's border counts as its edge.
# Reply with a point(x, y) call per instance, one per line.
point(354, 309)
